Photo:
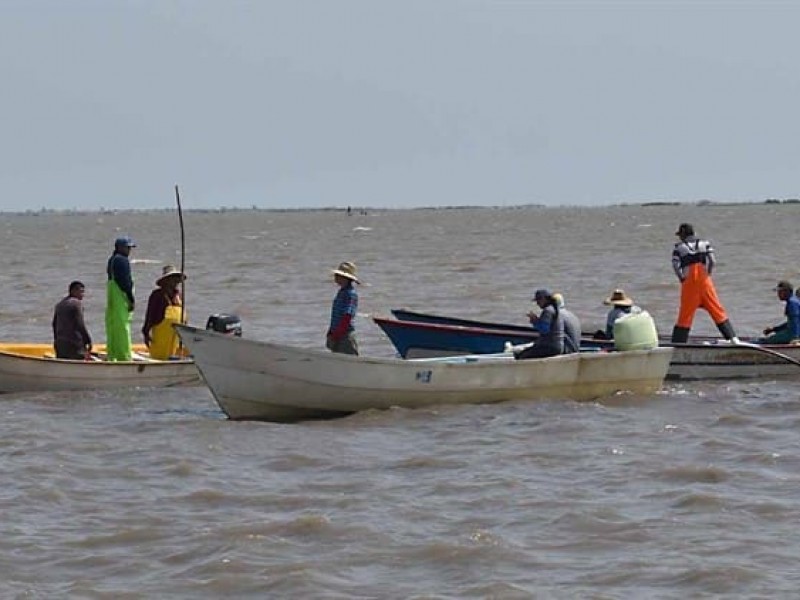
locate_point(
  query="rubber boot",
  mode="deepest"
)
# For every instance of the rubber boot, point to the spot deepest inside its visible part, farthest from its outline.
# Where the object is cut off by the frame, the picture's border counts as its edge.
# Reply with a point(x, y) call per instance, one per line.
point(680, 335)
point(726, 329)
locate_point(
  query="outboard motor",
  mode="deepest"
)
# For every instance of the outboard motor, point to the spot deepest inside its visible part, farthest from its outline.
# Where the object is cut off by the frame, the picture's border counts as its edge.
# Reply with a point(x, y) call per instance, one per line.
point(227, 324)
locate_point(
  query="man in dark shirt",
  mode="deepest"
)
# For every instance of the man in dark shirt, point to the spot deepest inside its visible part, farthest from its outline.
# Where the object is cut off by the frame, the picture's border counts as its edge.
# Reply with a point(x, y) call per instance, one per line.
point(71, 339)
point(119, 301)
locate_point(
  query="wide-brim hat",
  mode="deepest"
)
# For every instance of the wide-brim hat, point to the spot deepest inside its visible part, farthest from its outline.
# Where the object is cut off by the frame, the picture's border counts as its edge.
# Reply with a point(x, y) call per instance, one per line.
point(170, 271)
point(347, 270)
point(619, 298)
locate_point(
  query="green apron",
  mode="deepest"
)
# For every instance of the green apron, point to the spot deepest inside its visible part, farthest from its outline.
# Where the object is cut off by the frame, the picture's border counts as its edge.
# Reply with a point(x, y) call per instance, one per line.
point(118, 323)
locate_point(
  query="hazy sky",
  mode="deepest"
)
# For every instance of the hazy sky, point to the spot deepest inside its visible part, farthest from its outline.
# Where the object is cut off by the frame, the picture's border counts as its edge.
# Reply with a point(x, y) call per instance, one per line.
point(300, 103)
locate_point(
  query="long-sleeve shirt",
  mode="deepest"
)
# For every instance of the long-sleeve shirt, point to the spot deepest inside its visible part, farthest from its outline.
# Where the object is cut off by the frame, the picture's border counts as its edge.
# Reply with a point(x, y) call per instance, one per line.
point(550, 326)
point(157, 305)
point(119, 269)
point(792, 313)
point(343, 311)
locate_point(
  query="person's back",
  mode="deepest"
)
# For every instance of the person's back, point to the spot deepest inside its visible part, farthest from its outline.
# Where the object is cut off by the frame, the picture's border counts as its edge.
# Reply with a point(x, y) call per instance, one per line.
point(693, 262)
point(572, 331)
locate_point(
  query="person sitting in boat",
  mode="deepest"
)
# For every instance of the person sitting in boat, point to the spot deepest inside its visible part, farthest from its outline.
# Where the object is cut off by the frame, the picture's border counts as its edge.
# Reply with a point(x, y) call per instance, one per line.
point(341, 335)
point(164, 309)
point(572, 325)
point(789, 331)
point(621, 304)
point(71, 338)
point(550, 324)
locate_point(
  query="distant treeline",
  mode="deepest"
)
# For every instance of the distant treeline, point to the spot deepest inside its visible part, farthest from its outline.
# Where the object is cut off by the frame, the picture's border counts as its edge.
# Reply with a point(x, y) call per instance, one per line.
point(364, 210)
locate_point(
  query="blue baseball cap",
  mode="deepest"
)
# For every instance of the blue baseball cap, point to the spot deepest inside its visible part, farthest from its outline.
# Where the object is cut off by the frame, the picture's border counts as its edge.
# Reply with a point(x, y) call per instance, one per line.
point(541, 293)
point(125, 241)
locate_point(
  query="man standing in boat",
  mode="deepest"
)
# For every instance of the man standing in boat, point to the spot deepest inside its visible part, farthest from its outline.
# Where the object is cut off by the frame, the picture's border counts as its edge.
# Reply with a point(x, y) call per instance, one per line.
point(693, 261)
point(341, 333)
point(71, 339)
point(119, 301)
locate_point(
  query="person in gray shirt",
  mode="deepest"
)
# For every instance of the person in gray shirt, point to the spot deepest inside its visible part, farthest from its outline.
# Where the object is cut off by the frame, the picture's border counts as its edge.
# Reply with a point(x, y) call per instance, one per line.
point(572, 326)
point(550, 325)
point(71, 339)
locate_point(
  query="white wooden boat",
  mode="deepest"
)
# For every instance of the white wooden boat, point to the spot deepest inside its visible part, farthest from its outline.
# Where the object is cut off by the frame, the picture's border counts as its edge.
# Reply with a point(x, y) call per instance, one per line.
point(260, 380)
point(422, 335)
point(724, 360)
point(32, 367)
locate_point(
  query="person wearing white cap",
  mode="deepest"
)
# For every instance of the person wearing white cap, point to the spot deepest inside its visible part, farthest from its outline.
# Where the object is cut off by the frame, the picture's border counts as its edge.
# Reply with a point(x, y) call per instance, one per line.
point(164, 309)
point(341, 332)
point(119, 301)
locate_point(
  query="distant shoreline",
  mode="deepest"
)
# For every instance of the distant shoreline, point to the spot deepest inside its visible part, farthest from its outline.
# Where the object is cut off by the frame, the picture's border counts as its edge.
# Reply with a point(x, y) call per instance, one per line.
point(367, 209)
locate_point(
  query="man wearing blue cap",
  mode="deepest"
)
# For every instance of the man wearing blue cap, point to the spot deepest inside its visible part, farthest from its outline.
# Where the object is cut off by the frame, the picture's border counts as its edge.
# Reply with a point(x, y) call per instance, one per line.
point(119, 301)
point(550, 325)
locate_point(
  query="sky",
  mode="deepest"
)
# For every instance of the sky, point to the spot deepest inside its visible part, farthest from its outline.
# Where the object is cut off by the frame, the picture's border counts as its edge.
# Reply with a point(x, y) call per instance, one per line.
point(396, 103)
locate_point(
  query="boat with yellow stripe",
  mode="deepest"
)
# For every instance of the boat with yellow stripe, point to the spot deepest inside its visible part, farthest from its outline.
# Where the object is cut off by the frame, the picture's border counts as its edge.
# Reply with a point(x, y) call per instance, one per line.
point(33, 367)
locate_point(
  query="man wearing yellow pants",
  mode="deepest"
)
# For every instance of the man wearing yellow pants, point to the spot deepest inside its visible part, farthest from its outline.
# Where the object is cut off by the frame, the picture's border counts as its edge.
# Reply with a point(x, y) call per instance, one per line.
point(119, 301)
point(693, 261)
point(164, 309)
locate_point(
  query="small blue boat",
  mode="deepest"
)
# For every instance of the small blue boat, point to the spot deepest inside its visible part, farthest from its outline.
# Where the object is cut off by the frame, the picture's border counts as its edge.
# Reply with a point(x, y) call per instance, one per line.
point(418, 339)
point(403, 314)
point(421, 335)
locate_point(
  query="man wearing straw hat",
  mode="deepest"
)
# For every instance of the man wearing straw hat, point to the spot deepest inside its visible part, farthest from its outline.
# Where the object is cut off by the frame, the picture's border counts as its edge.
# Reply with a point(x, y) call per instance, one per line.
point(621, 304)
point(164, 307)
point(341, 335)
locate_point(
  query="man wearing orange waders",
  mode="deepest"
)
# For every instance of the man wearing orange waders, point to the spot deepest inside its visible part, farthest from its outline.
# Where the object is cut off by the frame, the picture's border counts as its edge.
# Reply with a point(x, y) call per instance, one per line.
point(693, 262)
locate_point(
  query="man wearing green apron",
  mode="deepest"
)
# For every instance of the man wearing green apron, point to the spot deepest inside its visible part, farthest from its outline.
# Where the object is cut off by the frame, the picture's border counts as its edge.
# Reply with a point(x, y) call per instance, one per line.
point(119, 301)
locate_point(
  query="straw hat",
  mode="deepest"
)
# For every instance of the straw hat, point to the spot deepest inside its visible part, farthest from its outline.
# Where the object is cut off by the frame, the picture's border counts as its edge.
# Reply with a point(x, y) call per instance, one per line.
point(169, 271)
point(348, 270)
point(619, 298)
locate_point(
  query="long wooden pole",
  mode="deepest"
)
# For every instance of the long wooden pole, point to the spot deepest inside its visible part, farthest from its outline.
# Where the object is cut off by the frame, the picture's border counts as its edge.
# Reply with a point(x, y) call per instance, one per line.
point(183, 252)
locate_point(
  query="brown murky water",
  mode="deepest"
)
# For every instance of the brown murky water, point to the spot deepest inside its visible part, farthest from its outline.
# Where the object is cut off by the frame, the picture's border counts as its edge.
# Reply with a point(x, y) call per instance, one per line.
point(692, 492)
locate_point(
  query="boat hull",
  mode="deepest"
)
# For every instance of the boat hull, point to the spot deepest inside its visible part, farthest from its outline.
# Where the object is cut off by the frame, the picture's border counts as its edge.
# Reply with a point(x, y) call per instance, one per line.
point(726, 361)
point(707, 358)
point(26, 368)
point(261, 380)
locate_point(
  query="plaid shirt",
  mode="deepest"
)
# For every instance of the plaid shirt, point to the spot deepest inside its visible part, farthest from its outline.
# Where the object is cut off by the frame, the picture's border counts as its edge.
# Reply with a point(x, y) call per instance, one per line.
point(345, 303)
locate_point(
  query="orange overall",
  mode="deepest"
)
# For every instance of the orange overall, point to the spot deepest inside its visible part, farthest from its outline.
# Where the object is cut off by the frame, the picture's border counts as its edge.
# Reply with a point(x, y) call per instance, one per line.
point(693, 261)
point(697, 291)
